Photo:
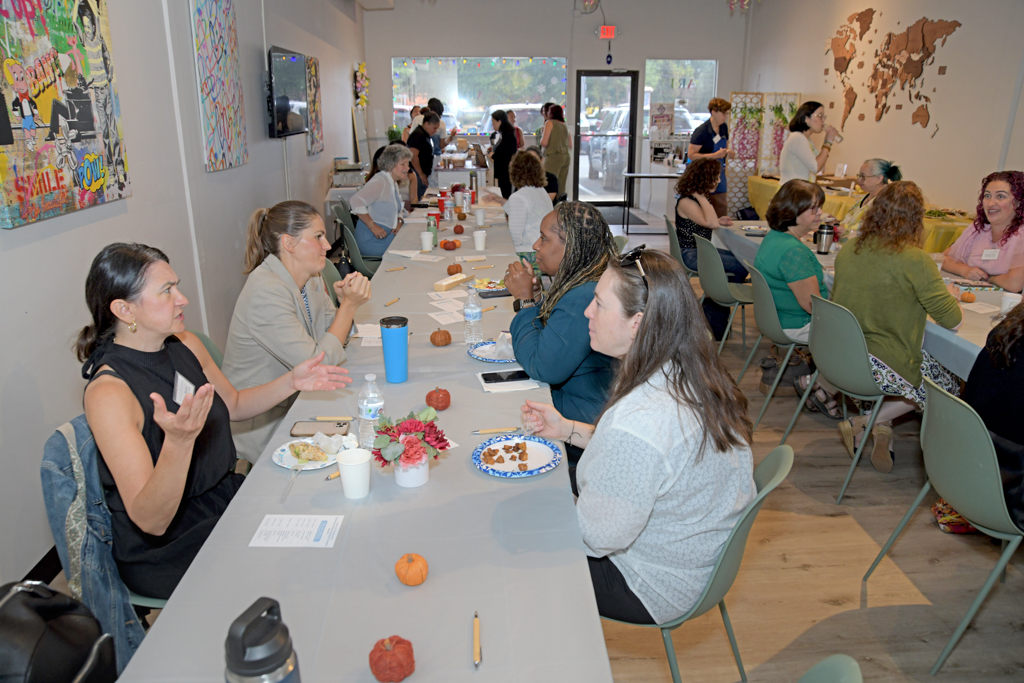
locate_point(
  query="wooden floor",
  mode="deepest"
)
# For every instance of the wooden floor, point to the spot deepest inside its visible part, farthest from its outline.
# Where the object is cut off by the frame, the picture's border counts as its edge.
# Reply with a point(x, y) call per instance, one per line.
point(799, 597)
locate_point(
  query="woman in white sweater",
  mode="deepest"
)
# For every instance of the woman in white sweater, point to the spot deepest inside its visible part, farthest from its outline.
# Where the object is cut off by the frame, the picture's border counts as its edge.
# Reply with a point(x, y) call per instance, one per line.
point(527, 206)
point(799, 158)
point(667, 469)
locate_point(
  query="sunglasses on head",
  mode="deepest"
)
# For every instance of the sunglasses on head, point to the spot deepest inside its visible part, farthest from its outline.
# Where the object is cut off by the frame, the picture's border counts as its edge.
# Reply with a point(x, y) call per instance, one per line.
point(633, 257)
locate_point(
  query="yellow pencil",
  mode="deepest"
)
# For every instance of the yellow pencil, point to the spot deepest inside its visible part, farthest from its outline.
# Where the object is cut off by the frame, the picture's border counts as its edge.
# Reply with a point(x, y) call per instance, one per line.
point(391, 270)
point(489, 308)
point(333, 476)
point(327, 418)
point(482, 267)
point(392, 301)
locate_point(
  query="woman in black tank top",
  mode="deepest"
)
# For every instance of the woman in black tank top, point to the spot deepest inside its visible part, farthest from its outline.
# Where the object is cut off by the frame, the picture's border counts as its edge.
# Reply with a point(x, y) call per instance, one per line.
point(167, 469)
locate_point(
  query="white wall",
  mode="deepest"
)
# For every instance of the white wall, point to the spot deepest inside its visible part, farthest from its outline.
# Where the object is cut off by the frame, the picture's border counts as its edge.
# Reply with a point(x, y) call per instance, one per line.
point(44, 265)
point(971, 104)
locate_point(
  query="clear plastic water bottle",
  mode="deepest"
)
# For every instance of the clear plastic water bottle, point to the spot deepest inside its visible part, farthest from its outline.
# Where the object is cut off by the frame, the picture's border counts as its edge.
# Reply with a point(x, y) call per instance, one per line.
point(473, 312)
point(371, 405)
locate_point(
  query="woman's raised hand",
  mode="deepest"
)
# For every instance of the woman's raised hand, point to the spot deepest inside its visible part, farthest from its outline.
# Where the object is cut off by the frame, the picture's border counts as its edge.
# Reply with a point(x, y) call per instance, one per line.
point(543, 419)
point(312, 375)
point(184, 426)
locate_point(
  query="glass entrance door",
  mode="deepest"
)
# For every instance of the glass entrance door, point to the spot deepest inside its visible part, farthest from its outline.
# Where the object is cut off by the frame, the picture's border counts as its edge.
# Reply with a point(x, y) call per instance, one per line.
point(604, 145)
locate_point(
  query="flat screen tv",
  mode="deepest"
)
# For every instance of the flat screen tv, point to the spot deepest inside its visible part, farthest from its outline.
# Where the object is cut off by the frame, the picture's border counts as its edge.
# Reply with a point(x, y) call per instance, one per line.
point(287, 99)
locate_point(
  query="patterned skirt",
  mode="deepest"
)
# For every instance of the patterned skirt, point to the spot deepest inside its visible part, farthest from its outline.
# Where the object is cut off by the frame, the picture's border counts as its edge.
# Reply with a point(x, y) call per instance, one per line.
point(889, 381)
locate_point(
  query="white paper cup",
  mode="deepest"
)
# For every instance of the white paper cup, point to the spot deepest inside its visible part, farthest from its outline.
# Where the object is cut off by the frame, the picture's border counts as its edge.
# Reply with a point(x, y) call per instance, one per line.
point(354, 466)
point(426, 240)
point(480, 215)
point(480, 239)
point(1008, 302)
point(458, 199)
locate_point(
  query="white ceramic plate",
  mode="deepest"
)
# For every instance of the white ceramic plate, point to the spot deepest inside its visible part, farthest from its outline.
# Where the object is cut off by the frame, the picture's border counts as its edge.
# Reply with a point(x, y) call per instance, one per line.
point(283, 457)
point(543, 456)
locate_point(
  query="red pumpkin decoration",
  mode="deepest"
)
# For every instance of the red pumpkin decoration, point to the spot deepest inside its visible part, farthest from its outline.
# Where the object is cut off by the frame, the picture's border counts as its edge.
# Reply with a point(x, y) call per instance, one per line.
point(458, 228)
point(391, 660)
point(454, 269)
point(439, 399)
point(448, 245)
point(441, 337)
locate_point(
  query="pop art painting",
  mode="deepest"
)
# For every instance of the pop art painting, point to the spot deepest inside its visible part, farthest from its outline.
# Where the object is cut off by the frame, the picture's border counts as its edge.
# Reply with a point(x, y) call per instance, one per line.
point(61, 142)
point(315, 134)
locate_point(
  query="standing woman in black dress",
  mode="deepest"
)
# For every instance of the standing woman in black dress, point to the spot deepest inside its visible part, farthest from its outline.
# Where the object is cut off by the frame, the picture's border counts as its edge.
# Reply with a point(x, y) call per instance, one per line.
point(167, 468)
point(503, 151)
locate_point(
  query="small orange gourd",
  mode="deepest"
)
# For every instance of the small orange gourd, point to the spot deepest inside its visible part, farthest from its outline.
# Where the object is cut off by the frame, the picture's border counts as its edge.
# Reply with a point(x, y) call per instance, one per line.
point(454, 269)
point(441, 337)
point(458, 243)
point(439, 399)
point(461, 216)
point(968, 297)
point(391, 659)
point(411, 569)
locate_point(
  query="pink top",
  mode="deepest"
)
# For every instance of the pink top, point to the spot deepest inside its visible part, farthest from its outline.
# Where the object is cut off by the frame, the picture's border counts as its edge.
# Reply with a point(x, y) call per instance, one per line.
point(971, 246)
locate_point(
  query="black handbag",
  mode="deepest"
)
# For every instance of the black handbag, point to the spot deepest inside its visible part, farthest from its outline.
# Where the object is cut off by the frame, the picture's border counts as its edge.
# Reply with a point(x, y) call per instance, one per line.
point(48, 637)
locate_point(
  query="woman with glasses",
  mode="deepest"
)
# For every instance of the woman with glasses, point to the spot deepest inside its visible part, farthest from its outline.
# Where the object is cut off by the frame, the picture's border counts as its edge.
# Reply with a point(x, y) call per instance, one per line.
point(873, 176)
point(667, 469)
point(549, 333)
point(800, 158)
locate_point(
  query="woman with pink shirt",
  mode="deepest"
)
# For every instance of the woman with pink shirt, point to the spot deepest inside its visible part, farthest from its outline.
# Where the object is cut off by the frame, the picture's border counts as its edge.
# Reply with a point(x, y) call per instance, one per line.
point(992, 248)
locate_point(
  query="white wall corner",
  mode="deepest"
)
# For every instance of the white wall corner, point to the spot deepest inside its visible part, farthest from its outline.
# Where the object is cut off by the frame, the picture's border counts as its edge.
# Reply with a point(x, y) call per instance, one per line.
point(372, 5)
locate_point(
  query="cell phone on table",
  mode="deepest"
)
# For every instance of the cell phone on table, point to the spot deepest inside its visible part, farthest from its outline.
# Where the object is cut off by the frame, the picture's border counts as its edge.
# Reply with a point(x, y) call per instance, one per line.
point(493, 293)
point(505, 376)
point(311, 427)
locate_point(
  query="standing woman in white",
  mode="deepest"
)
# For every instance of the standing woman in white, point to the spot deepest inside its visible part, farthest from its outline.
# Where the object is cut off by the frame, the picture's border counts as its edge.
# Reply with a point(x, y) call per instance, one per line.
point(800, 158)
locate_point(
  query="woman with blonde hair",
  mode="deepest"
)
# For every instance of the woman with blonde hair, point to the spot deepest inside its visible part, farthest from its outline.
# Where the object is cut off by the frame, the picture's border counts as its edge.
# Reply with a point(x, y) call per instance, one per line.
point(284, 314)
point(892, 285)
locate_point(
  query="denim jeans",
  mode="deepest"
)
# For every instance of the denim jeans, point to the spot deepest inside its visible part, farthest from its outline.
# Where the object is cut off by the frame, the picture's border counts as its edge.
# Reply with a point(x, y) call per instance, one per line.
point(717, 316)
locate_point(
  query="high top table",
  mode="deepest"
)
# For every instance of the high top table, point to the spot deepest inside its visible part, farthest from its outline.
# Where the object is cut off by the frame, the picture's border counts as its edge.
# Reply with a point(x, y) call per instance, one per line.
point(510, 550)
point(955, 349)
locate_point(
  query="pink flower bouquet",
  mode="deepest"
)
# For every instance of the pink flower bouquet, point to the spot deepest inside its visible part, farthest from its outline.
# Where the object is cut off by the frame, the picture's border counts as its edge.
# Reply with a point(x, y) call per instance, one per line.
point(409, 441)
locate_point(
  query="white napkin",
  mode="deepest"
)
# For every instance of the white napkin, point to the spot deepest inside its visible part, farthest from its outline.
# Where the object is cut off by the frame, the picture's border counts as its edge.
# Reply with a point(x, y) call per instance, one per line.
point(503, 347)
point(336, 443)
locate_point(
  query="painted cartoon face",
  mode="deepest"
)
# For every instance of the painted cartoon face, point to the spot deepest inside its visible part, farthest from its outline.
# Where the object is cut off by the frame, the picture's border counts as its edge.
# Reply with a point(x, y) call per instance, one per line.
point(89, 27)
point(19, 83)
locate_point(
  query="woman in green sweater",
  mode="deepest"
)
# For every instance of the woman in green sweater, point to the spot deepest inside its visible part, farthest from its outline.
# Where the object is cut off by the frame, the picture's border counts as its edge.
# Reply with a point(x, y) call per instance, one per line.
point(892, 285)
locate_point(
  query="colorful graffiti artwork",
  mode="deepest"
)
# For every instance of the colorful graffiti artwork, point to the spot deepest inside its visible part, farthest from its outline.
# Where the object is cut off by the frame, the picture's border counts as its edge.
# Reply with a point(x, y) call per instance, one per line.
point(315, 133)
point(61, 142)
point(221, 105)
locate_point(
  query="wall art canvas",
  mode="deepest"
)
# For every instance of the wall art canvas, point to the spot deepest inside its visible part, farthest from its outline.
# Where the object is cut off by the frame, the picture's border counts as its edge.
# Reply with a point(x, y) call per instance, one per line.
point(221, 106)
point(61, 142)
point(315, 133)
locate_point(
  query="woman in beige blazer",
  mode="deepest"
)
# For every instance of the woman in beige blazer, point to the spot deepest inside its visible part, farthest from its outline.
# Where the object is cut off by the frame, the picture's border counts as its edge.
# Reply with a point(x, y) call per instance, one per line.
point(284, 314)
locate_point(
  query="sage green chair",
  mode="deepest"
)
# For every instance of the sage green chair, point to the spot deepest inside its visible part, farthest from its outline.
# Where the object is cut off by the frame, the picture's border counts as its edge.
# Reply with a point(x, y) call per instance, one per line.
point(673, 248)
point(962, 466)
point(834, 669)
point(331, 275)
point(841, 356)
point(620, 242)
point(364, 264)
point(844, 362)
point(143, 601)
point(769, 326)
point(773, 469)
point(715, 283)
point(215, 354)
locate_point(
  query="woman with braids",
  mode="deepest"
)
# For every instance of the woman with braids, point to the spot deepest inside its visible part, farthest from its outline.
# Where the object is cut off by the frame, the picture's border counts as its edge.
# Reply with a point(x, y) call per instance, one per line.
point(667, 469)
point(549, 336)
point(284, 314)
point(992, 248)
point(891, 285)
point(167, 467)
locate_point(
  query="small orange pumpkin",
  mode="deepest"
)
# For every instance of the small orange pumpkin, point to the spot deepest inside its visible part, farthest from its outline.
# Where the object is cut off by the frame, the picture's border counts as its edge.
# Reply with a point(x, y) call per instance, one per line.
point(439, 399)
point(461, 216)
point(411, 569)
point(458, 229)
point(968, 297)
point(454, 269)
point(441, 337)
point(391, 659)
point(458, 243)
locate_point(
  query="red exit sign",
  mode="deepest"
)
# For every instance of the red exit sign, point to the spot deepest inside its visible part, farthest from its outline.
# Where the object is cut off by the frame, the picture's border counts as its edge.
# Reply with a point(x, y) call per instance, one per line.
point(607, 32)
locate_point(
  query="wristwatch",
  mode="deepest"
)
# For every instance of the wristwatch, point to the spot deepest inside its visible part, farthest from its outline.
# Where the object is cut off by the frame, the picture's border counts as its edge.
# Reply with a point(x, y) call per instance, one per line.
point(520, 304)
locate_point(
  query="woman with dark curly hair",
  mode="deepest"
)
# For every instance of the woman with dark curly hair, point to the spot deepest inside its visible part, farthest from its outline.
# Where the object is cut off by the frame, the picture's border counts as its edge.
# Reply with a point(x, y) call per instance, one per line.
point(992, 248)
point(891, 285)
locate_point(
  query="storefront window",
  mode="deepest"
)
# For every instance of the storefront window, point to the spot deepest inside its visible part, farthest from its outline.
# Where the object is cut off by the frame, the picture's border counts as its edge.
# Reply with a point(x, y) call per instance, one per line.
point(687, 83)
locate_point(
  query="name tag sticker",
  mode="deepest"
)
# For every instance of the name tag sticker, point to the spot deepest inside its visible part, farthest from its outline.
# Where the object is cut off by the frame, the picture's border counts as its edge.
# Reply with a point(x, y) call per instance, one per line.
point(716, 139)
point(182, 388)
point(990, 255)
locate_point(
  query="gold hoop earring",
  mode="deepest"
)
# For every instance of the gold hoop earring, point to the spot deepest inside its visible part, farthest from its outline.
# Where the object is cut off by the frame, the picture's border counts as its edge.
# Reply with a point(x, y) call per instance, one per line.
point(132, 327)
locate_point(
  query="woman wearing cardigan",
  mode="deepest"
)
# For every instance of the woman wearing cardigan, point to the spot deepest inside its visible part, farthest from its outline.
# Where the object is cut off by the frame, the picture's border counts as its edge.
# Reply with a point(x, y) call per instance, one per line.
point(284, 314)
point(892, 285)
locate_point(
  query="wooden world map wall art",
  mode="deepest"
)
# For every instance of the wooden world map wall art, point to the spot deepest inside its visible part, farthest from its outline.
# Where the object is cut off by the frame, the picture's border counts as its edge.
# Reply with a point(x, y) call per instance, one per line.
point(869, 68)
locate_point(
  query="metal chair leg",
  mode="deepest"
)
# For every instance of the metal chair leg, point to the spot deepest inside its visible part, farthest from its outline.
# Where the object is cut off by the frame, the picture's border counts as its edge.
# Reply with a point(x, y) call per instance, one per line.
point(1002, 577)
point(775, 384)
point(860, 449)
point(799, 406)
point(728, 330)
point(753, 350)
point(899, 528)
point(1011, 548)
point(732, 641)
point(670, 652)
point(743, 319)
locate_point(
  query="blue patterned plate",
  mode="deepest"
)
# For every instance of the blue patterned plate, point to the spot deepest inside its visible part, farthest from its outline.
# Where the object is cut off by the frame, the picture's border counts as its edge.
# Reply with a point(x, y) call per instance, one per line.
point(542, 456)
point(485, 351)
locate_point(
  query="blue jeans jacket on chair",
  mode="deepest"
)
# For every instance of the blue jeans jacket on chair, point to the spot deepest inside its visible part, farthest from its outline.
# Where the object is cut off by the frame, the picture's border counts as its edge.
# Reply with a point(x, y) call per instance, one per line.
point(80, 522)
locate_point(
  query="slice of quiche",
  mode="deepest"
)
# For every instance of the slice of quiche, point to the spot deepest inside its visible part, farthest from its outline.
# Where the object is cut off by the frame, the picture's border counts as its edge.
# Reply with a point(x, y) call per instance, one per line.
point(307, 451)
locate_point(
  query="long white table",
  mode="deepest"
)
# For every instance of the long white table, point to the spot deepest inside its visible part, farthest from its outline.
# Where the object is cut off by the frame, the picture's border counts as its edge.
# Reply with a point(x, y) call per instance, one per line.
point(510, 550)
point(955, 349)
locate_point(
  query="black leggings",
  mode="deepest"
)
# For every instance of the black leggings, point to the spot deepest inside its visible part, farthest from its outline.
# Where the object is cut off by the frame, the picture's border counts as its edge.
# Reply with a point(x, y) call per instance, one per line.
point(614, 598)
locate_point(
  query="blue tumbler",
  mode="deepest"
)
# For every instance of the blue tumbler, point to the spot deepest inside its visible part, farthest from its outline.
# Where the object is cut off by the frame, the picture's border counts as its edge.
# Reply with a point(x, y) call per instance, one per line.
point(394, 332)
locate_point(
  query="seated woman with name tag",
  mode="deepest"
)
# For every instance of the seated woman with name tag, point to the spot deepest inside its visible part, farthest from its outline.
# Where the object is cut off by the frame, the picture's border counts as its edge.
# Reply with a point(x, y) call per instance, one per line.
point(378, 204)
point(991, 249)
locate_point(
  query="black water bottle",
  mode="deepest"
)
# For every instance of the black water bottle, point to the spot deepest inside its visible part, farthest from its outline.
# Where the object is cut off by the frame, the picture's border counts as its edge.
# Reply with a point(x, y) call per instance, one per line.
point(258, 648)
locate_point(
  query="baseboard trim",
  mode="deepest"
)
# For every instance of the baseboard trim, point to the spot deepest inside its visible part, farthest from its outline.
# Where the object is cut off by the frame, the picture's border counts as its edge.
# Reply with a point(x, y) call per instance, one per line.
point(46, 569)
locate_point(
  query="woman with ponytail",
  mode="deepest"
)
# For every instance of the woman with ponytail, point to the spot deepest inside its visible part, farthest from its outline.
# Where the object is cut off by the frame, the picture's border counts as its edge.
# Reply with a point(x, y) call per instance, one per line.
point(159, 409)
point(874, 174)
point(667, 469)
point(284, 314)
